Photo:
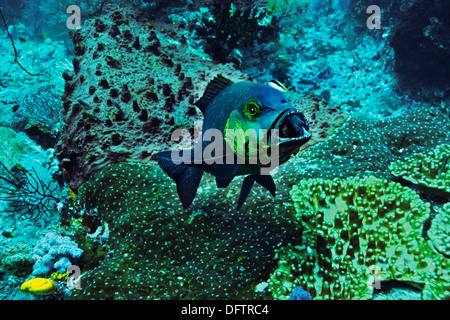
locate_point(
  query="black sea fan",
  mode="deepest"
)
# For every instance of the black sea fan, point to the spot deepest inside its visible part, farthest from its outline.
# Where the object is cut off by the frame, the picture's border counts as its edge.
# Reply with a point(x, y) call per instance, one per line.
point(27, 194)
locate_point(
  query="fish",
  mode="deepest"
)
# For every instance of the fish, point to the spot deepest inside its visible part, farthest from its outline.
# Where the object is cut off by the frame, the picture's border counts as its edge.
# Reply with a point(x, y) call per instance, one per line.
point(249, 129)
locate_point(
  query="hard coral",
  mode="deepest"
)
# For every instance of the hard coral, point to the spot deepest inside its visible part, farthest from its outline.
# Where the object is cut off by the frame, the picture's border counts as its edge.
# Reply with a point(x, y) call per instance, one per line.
point(11, 147)
point(439, 232)
point(429, 172)
point(161, 252)
point(16, 257)
point(358, 231)
point(367, 147)
point(39, 115)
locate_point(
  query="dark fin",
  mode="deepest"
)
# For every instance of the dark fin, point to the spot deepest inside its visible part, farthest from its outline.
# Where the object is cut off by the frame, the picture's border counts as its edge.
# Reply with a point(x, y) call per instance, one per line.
point(187, 178)
point(267, 182)
point(223, 183)
point(246, 187)
point(212, 90)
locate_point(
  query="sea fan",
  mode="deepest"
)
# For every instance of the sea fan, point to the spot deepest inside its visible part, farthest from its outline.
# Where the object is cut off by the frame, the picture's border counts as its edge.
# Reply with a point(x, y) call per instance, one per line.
point(27, 194)
point(43, 106)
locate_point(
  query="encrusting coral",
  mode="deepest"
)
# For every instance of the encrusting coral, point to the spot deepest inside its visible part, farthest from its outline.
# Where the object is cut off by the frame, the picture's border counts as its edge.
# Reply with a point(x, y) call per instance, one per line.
point(429, 172)
point(358, 232)
point(158, 251)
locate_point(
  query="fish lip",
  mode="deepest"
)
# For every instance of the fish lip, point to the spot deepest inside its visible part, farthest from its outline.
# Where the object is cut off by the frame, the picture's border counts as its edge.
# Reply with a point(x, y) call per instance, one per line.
point(294, 141)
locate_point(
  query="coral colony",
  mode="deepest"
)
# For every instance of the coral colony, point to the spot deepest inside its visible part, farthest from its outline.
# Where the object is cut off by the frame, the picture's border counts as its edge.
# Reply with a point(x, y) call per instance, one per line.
point(224, 149)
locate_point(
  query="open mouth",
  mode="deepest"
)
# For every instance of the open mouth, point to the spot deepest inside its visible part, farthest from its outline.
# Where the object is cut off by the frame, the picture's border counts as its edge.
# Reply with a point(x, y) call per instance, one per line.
point(292, 128)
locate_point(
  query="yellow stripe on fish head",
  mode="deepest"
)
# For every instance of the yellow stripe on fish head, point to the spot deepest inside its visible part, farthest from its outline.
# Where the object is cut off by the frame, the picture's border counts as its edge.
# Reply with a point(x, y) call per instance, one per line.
point(242, 131)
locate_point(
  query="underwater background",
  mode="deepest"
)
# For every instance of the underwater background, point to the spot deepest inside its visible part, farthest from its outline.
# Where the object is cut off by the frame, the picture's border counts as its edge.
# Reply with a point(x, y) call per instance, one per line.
point(89, 94)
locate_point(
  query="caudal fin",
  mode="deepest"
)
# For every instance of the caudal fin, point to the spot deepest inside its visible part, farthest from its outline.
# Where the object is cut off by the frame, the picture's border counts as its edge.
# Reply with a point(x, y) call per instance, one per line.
point(187, 178)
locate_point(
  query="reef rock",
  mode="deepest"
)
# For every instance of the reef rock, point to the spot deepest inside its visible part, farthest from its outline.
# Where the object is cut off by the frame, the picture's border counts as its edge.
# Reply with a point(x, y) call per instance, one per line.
point(133, 83)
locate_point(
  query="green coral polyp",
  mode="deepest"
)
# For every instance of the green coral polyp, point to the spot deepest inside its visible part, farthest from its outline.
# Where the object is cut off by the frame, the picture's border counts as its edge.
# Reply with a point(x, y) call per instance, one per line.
point(358, 231)
point(439, 232)
point(429, 172)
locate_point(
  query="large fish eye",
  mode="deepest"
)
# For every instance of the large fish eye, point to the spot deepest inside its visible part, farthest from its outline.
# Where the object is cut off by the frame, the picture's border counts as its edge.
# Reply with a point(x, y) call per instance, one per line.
point(252, 109)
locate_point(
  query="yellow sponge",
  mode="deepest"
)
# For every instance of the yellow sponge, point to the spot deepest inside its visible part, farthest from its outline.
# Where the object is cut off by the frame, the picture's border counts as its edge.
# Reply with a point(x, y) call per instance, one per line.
point(38, 286)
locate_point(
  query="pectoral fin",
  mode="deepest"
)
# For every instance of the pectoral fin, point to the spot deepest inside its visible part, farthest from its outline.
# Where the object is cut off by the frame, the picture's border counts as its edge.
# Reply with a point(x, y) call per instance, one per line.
point(265, 180)
point(223, 183)
point(245, 190)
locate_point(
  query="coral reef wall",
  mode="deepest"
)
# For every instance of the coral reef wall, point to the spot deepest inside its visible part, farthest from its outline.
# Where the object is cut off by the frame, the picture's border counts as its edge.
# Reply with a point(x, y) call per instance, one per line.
point(363, 201)
point(134, 82)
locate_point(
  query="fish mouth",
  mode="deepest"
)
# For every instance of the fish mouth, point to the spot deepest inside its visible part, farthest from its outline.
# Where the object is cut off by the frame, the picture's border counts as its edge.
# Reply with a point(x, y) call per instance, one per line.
point(291, 129)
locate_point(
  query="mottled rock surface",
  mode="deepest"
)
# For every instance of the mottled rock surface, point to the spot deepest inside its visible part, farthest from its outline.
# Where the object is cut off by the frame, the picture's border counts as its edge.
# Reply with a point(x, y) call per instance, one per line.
point(134, 82)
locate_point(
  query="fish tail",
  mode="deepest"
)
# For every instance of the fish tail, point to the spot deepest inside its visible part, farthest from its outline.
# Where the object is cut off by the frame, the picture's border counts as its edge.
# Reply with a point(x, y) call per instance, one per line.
point(186, 177)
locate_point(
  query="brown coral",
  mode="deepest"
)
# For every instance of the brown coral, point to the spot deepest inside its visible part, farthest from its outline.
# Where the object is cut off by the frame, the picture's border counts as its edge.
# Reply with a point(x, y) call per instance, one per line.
point(133, 84)
point(323, 119)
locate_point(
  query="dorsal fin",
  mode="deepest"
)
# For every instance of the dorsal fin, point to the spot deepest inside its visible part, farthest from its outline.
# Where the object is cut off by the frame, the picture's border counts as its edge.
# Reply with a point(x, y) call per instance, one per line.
point(212, 90)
